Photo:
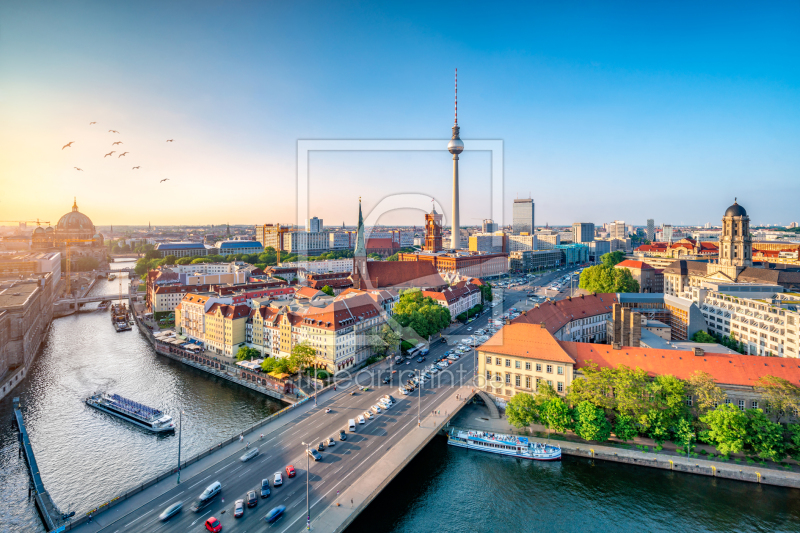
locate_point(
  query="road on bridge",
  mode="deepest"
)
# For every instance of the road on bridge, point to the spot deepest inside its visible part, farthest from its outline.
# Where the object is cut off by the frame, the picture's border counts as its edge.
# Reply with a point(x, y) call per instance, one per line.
point(341, 464)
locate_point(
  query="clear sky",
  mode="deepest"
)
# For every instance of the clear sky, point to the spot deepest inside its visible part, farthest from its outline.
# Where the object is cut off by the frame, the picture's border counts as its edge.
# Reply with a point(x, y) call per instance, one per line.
point(606, 110)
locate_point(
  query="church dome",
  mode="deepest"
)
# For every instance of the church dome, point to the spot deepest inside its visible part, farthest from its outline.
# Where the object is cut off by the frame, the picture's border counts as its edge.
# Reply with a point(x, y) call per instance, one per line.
point(38, 231)
point(735, 211)
point(48, 229)
point(75, 221)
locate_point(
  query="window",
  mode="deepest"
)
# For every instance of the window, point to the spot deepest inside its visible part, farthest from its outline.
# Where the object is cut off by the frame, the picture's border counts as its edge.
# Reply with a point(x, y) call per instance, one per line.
point(754, 404)
point(508, 378)
point(498, 361)
point(538, 367)
point(727, 401)
point(527, 382)
point(488, 360)
point(517, 364)
point(508, 363)
point(488, 375)
point(741, 405)
point(550, 382)
point(527, 366)
point(560, 370)
point(689, 400)
point(517, 380)
point(549, 369)
point(497, 376)
point(560, 387)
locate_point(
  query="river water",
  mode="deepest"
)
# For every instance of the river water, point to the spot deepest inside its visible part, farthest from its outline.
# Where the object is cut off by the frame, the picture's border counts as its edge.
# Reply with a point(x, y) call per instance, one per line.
point(86, 456)
point(446, 489)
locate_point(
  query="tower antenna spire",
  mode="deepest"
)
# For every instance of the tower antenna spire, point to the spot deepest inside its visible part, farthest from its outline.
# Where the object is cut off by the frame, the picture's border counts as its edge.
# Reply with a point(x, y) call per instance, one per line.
point(456, 95)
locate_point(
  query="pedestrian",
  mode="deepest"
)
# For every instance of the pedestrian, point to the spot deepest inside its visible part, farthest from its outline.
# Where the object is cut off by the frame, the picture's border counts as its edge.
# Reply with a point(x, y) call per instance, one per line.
point(351, 503)
point(241, 437)
point(90, 518)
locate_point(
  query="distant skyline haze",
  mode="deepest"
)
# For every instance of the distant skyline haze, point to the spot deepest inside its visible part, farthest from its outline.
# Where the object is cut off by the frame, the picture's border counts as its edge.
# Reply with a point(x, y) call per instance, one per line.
point(607, 111)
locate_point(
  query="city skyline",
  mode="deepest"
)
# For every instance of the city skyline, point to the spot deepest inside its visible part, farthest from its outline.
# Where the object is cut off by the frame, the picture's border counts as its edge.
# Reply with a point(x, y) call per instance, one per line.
point(678, 123)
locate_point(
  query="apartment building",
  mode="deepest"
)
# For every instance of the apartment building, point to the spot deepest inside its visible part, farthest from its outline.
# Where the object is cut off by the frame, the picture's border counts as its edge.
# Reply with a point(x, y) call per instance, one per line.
point(580, 318)
point(522, 243)
point(458, 298)
point(225, 328)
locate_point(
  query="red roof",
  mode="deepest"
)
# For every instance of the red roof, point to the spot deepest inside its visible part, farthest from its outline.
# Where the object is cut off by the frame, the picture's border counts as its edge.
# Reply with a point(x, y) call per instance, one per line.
point(628, 263)
point(404, 274)
point(231, 312)
point(555, 315)
point(726, 369)
point(531, 341)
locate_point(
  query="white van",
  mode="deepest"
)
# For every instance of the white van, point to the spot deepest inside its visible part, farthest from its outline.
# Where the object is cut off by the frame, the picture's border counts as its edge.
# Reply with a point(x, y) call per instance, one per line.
point(211, 491)
point(352, 425)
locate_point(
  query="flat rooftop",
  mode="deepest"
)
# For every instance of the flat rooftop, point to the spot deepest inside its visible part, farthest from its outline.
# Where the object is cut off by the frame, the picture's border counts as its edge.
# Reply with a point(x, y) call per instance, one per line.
point(17, 295)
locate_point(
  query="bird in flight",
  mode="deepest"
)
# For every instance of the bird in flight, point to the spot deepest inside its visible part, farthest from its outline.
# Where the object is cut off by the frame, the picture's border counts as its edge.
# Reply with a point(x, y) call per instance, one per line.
point(118, 142)
point(169, 140)
point(165, 179)
point(68, 145)
point(113, 131)
point(108, 154)
point(76, 168)
point(92, 123)
point(134, 168)
point(120, 155)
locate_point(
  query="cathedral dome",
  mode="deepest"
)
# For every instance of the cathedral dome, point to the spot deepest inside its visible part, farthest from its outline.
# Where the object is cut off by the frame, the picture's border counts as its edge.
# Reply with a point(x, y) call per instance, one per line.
point(75, 221)
point(38, 231)
point(735, 211)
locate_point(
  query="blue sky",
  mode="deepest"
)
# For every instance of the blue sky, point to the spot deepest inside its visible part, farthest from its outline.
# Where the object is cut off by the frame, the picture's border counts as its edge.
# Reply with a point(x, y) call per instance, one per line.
point(606, 111)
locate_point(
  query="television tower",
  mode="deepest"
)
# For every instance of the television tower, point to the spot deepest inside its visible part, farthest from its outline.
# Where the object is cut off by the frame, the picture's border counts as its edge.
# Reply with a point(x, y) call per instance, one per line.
point(455, 147)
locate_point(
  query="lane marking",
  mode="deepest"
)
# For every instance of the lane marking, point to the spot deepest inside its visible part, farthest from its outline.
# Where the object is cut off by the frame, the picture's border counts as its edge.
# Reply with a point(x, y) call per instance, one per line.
point(193, 486)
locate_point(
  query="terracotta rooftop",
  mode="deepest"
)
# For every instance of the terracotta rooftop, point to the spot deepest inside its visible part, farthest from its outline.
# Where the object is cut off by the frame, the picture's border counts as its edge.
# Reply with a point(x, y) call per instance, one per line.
point(403, 274)
point(231, 312)
point(531, 341)
point(628, 263)
point(736, 369)
point(557, 314)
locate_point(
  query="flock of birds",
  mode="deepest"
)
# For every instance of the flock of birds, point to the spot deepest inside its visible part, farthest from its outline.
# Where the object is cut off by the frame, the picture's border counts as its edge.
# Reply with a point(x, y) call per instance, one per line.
point(115, 143)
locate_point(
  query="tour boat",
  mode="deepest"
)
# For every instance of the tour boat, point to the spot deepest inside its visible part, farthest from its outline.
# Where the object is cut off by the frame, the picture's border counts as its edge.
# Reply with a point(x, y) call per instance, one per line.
point(133, 412)
point(104, 305)
point(504, 445)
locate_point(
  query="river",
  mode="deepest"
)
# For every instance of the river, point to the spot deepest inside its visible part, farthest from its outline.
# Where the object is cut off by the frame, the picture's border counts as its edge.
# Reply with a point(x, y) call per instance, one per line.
point(87, 456)
point(446, 489)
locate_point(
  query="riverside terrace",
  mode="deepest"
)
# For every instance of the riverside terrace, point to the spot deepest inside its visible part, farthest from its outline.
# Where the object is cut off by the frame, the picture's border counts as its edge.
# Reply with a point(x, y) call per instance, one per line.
point(357, 469)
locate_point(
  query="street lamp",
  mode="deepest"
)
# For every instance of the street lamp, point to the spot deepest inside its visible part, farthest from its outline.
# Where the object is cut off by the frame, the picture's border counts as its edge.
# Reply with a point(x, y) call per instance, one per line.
point(419, 396)
point(308, 509)
point(180, 433)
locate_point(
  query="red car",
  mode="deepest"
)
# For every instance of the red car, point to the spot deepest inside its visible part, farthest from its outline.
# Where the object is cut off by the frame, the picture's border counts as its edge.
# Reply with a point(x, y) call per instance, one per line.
point(213, 525)
point(290, 471)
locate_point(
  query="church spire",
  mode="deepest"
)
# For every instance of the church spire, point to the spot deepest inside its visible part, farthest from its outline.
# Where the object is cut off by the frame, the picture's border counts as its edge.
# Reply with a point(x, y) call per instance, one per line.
point(361, 247)
point(74, 203)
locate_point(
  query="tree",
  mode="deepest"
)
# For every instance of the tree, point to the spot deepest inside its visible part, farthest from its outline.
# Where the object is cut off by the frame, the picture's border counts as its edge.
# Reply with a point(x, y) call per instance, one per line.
point(625, 428)
point(327, 290)
point(655, 424)
point(522, 410)
point(630, 391)
point(595, 387)
point(245, 352)
point(383, 340)
point(84, 264)
point(612, 258)
point(780, 394)
point(184, 260)
point(727, 427)
point(421, 313)
point(393, 257)
point(793, 431)
point(764, 437)
point(591, 423)
point(668, 395)
point(702, 336)
point(152, 254)
point(555, 414)
point(705, 393)
point(486, 293)
point(684, 433)
point(303, 355)
point(169, 260)
point(606, 278)
point(198, 260)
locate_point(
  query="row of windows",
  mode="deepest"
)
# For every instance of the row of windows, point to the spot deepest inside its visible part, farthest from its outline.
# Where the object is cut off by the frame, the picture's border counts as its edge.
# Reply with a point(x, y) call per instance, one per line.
point(528, 365)
point(559, 386)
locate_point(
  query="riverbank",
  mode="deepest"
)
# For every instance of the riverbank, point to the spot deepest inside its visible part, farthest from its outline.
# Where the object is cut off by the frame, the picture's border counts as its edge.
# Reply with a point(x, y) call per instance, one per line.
point(642, 452)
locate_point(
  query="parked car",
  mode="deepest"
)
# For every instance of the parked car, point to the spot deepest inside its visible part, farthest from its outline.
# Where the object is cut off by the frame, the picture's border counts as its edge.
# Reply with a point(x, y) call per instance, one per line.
point(342, 434)
point(277, 479)
point(331, 442)
point(290, 472)
point(251, 498)
point(361, 419)
point(265, 492)
point(314, 455)
point(376, 409)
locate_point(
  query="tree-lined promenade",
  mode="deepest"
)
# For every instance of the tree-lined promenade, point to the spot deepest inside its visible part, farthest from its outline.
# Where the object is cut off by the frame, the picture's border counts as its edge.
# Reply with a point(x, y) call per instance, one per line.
point(628, 403)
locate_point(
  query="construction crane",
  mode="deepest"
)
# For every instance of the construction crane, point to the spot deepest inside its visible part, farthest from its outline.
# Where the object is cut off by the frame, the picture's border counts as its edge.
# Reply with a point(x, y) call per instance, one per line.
point(69, 261)
point(37, 222)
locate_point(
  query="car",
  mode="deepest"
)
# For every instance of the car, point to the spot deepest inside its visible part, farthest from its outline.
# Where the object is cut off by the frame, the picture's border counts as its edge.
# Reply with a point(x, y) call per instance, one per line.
point(290, 472)
point(386, 404)
point(434, 370)
point(314, 454)
point(376, 409)
point(249, 454)
point(403, 391)
point(361, 419)
point(238, 508)
point(331, 442)
point(342, 434)
point(408, 362)
point(170, 511)
point(251, 498)
point(275, 513)
point(321, 446)
point(420, 359)
point(469, 329)
point(386, 381)
point(265, 492)
point(277, 479)
point(213, 525)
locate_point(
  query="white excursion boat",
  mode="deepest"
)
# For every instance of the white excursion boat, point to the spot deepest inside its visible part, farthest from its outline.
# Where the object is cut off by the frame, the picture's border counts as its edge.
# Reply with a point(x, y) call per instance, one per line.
point(504, 445)
point(133, 412)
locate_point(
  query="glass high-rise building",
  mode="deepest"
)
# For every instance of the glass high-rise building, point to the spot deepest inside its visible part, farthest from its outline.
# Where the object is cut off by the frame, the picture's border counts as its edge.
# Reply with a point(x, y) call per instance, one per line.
point(651, 230)
point(523, 216)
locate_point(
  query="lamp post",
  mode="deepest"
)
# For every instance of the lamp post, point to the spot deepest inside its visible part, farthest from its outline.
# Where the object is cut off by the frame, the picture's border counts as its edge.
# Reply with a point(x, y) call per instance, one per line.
point(308, 509)
point(180, 433)
point(419, 396)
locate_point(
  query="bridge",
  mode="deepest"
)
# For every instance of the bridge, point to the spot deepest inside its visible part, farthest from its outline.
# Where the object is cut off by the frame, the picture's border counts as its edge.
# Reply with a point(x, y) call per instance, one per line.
point(118, 271)
point(103, 297)
point(349, 476)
